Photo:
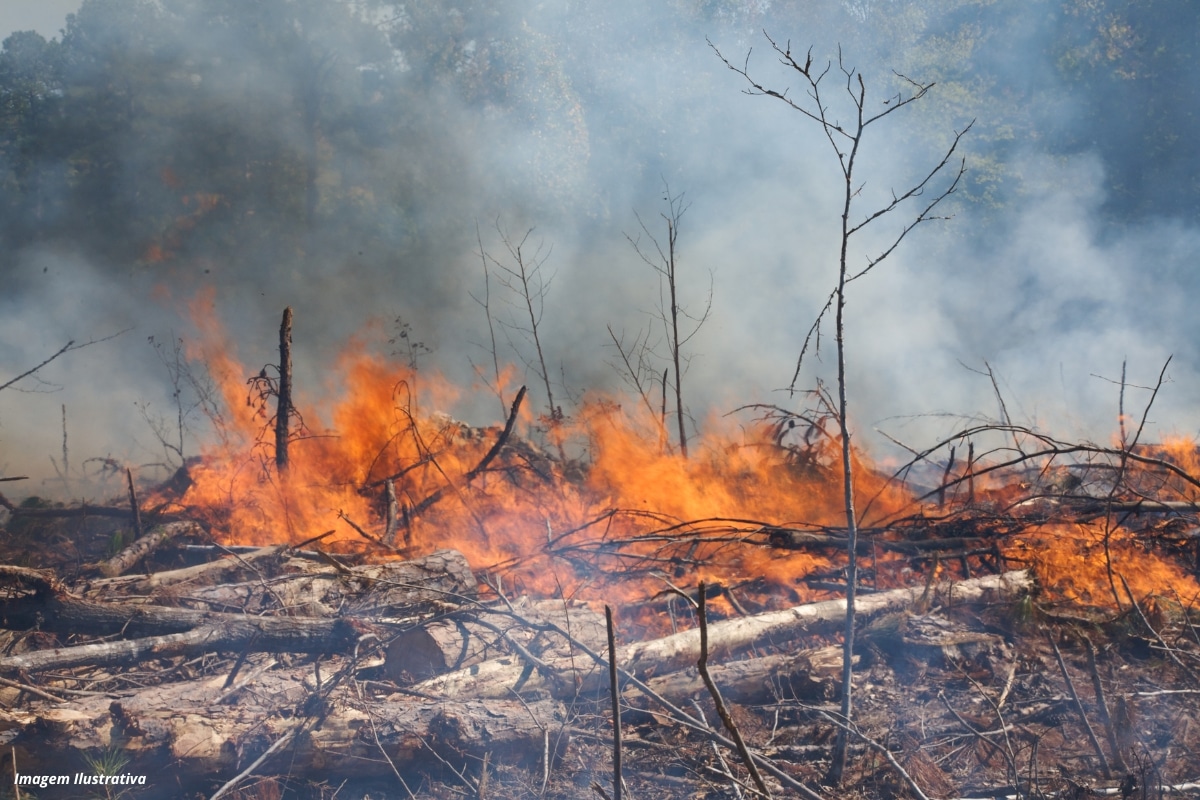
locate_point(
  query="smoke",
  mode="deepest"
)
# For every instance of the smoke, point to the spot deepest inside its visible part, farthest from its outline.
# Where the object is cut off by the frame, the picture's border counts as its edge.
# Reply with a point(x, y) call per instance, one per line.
point(598, 116)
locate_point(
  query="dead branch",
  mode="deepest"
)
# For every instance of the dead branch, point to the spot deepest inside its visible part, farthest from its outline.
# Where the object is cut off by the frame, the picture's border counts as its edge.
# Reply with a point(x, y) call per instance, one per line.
point(1087, 726)
point(366, 593)
point(670, 654)
point(615, 691)
point(714, 692)
point(133, 505)
point(1102, 706)
point(144, 546)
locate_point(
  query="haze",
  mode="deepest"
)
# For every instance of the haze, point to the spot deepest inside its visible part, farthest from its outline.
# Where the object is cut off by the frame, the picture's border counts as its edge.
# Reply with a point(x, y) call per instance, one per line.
point(178, 159)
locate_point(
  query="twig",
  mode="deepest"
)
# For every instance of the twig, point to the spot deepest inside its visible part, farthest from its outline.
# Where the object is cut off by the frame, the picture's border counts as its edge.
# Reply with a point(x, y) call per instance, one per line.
point(278, 744)
point(734, 783)
point(65, 348)
point(501, 439)
point(616, 703)
point(481, 792)
point(945, 477)
point(392, 518)
point(1170, 650)
point(1101, 702)
point(1087, 726)
point(722, 711)
point(383, 752)
point(678, 714)
point(1009, 756)
point(877, 747)
point(970, 473)
point(24, 687)
point(487, 311)
point(372, 539)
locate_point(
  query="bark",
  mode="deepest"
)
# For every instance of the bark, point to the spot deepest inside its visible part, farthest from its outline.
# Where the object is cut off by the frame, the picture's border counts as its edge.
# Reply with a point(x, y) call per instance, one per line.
point(223, 632)
point(389, 589)
point(808, 674)
point(787, 539)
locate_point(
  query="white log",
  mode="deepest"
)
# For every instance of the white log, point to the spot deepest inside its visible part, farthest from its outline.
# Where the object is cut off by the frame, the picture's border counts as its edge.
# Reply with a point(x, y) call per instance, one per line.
point(499, 677)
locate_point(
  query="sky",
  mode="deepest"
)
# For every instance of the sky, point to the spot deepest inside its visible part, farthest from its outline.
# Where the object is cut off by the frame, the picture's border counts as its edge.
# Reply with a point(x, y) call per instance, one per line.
point(44, 16)
point(1046, 292)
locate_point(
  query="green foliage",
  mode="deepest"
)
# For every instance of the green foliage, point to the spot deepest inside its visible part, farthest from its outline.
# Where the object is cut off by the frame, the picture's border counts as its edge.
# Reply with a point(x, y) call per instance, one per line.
point(1138, 63)
point(310, 132)
point(118, 541)
point(109, 761)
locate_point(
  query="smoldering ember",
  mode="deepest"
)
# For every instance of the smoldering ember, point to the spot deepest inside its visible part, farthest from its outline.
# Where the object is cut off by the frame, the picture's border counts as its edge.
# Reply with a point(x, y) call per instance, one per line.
point(395, 453)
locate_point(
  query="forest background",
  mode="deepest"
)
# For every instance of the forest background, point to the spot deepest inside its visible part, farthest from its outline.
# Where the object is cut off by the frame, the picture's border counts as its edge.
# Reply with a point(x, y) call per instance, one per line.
point(351, 159)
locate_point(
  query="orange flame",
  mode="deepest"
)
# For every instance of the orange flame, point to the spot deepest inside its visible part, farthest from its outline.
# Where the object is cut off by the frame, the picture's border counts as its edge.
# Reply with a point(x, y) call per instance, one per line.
point(623, 519)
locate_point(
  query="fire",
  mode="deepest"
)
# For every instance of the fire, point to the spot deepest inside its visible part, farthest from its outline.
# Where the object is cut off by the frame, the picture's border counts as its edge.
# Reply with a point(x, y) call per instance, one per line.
point(1073, 565)
point(600, 509)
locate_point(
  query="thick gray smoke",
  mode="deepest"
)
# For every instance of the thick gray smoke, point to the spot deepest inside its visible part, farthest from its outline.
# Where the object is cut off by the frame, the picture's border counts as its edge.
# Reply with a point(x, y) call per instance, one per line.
point(601, 112)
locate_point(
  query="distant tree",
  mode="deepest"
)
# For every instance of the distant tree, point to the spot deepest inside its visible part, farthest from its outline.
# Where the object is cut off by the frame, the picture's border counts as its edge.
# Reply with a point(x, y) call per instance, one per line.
point(1132, 68)
point(31, 94)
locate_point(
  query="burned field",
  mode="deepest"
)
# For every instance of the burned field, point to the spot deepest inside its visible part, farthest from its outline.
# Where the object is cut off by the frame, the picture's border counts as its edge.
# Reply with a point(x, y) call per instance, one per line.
point(415, 607)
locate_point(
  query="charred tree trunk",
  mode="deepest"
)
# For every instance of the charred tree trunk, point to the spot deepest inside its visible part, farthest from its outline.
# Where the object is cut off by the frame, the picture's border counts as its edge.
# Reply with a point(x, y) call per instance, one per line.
point(283, 409)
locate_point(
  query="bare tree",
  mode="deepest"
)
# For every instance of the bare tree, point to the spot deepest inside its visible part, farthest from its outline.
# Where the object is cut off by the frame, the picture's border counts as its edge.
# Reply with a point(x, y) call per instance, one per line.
point(524, 278)
point(845, 139)
point(486, 304)
point(639, 370)
point(670, 309)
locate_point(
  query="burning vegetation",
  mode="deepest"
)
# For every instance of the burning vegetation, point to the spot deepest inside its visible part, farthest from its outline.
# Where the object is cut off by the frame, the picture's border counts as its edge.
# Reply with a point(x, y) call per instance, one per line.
point(349, 593)
point(411, 604)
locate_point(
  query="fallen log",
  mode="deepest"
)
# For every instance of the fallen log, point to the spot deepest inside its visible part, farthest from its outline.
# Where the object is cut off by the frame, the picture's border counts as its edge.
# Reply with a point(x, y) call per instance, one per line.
point(671, 654)
point(388, 589)
point(125, 560)
point(726, 636)
point(361, 593)
point(808, 675)
point(223, 632)
point(210, 572)
point(183, 728)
